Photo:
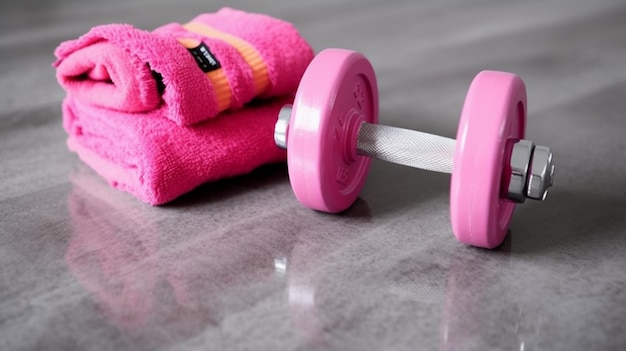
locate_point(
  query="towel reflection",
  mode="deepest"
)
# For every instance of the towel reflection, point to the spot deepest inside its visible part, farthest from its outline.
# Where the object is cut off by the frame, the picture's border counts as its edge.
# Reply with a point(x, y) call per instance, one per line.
point(154, 282)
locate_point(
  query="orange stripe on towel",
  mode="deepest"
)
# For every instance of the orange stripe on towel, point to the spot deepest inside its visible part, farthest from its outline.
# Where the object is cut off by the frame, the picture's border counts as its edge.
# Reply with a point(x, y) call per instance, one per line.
point(245, 49)
point(217, 78)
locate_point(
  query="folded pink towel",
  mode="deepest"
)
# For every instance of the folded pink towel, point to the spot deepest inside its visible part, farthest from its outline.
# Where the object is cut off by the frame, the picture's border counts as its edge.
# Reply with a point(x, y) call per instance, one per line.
point(187, 73)
point(125, 86)
point(158, 161)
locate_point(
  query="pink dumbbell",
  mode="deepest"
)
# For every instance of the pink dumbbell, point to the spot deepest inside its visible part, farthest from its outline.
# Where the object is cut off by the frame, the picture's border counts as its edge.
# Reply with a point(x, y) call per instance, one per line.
point(332, 127)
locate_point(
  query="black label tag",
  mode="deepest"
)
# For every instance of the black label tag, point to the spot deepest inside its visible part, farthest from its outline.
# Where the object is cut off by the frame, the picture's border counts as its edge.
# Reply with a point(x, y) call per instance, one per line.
point(205, 58)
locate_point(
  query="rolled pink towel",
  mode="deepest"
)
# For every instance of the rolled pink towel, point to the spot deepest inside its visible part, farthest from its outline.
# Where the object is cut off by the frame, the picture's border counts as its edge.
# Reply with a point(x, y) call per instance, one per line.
point(186, 73)
point(157, 161)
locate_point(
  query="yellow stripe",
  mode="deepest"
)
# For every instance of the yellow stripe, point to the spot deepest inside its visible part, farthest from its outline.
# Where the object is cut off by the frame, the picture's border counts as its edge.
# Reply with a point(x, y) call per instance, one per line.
point(219, 80)
point(247, 51)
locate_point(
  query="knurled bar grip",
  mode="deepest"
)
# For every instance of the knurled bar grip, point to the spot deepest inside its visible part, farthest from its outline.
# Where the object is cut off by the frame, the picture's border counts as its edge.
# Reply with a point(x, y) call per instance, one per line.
point(406, 147)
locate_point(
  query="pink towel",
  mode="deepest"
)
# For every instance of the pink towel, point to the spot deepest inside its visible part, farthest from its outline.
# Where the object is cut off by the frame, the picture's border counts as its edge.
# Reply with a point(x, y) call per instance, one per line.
point(157, 161)
point(187, 73)
point(125, 86)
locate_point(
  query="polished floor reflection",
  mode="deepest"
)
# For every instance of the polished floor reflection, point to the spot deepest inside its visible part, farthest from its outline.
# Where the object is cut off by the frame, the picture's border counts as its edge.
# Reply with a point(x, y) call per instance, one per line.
point(315, 280)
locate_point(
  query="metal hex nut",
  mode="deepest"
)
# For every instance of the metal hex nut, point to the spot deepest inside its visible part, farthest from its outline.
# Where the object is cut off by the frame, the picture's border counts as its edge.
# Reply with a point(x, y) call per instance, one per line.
point(520, 162)
point(541, 173)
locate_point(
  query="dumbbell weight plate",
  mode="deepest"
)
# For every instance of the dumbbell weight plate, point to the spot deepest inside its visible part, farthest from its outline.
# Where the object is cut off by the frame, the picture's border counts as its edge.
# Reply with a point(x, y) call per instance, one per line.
point(493, 117)
point(337, 93)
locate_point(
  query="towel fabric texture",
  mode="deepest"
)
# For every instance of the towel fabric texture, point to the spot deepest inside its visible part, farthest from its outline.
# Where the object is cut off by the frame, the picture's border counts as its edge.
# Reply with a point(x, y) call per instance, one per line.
point(159, 113)
point(158, 161)
point(187, 72)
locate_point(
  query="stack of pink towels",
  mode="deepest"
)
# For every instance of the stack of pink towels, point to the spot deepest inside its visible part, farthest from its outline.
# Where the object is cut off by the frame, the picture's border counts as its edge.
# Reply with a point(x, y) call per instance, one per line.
point(159, 113)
